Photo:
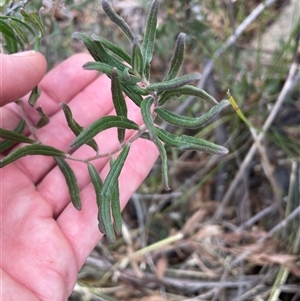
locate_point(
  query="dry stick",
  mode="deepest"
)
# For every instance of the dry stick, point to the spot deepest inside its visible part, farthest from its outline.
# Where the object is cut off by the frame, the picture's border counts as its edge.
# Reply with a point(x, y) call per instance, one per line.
point(254, 219)
point(188, 285)
point(285, 90)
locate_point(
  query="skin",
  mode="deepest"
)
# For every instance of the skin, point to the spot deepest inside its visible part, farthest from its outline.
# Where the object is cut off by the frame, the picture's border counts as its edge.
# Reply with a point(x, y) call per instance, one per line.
point(44, 239)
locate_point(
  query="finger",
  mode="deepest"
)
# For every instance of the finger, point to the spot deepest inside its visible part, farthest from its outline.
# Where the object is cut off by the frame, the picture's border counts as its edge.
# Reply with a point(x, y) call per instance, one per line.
point(53, 186)
point(61, 84)
point(81, 227)
point(20, 73)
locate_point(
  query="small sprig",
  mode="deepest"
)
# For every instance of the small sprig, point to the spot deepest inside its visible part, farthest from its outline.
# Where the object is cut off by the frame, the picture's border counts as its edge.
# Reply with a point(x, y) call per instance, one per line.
point(130, 75)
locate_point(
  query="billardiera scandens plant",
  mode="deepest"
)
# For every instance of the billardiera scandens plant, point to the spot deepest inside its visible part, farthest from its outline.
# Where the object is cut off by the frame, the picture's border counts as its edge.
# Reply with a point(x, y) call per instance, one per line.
point(130, 75)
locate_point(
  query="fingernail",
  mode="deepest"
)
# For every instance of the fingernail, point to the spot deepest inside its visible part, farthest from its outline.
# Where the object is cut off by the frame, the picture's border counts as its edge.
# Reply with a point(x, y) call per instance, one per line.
point(24, 53)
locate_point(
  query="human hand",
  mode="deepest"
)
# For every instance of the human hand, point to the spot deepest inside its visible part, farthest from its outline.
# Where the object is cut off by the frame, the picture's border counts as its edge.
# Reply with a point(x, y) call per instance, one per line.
point(45, 240)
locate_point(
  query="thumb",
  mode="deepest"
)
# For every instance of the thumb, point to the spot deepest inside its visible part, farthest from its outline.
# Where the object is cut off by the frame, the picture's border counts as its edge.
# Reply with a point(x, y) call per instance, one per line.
point(19, 74)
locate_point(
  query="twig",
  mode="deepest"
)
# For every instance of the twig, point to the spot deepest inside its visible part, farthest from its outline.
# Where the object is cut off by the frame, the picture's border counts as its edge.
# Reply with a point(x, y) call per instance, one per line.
point(15, 6)
point(109, 154)
point(257, 217)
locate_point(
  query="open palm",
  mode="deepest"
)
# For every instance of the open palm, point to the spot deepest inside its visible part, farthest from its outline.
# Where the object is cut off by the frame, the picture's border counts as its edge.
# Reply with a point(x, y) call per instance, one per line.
point(44, 239)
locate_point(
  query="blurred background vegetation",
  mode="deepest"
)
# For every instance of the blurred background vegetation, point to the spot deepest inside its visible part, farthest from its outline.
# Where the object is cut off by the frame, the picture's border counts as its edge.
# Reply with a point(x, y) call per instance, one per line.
point(231, 210)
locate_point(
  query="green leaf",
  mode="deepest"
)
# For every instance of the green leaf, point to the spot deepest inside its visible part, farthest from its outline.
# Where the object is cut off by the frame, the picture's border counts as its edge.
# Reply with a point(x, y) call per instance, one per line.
point(147, 117)
point(149, 37)
point(164, 163)
point(89, 44)
point(6, 144)
point(187, 90)
point(113, 48)
point(11, 41)
point(115, 206)
point(18, 30)
point(71, 182)
point(98, 184)
point(6, 29)
point(177, 58)
point(133, 95)
point(20, 23)
point(15, 137)
point(190, 122)
point(117, 20)
point(108, 189)
point(33, 19)
point(118, 100)
point(38, 22)
point(34, 96)
point(29, 150)
point(102, 124)
point(137, 61)
point(75, 127)
point(190, 143)
point(106, 58)
point(44, 120)
point(193, 143)
point(173, 83)
point(107, 69)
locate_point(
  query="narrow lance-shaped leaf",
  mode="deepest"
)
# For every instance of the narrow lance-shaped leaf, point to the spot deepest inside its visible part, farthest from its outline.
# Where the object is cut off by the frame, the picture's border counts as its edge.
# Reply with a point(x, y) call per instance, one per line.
point(6, 144)
point(164, 163)
point(34, 96)
point(88, 44)
point(113, 48)
point(193, 143)
point(11, 41)
point(115, 206)
point(147, 117)
point(190, 143)
point(177, 58)
point(102, 124)
point(29, 150)
point(117, 20)
point(107, 69)
point(118, 100)
point(187, 90)
point(190, 122)
point(38, 22)
point(149, 37)
point(20, 32)
point(98, 184)
point(14, 136)
point(137, 60)
point(71, 182)
point(108, 190)
point(20, 23)
point(106, 58)
point(44, 120)
point(75, 127)
point(173, 83)
point(133, 95)
point(33, 19)
point(7, 30)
